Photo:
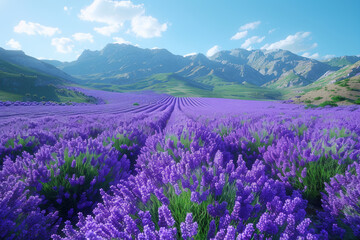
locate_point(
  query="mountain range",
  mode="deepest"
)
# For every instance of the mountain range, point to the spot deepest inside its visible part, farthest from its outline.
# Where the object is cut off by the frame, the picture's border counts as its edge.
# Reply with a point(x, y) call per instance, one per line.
point(24, 78)
point(237, 73)
point(124, 64)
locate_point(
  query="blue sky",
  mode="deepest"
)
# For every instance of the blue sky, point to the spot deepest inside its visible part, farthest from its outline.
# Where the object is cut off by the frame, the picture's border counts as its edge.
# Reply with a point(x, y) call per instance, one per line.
point(62, 29)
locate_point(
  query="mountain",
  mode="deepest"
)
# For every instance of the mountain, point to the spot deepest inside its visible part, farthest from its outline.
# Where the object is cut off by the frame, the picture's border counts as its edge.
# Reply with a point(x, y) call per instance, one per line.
point(121, 64)
point(280, 68)
point(54, 63)
point(22, 83)
point(342, 61)
point(236, 73)
point(19, 58)
point(200, 66)
point(126, 64)
point(335, 76)
point(208, 86)
point(339, 87)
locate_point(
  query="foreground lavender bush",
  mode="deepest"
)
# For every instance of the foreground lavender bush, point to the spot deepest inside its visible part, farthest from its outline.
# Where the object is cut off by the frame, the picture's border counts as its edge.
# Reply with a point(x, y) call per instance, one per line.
point(20, 215)
point(179, 168)
point(341, 202)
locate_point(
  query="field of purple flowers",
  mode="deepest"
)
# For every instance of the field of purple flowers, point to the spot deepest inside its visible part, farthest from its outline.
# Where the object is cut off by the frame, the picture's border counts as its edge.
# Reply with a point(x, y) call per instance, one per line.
point(148, 166)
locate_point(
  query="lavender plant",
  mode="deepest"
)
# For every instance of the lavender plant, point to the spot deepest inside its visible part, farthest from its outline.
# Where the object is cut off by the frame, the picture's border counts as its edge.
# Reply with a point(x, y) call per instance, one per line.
point(178, 168)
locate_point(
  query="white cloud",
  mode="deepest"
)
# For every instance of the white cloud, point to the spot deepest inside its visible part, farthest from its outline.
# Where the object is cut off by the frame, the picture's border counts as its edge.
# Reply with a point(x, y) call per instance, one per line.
point(250, 26)
point(63, 45)
point(248, 42)
point(82, 37)
point(13, 44)
point(31, 28)
point(67, 9)
point(112, 13)
point(190, 54)
point(120, 40)
point(328, 56)
point(299, 42)
point(243, 30)
point(239, 35)
point(107, 30)
point(309, 55)
point(116, 13)
point(147, 27)
point(213, 50)
point(272, 30)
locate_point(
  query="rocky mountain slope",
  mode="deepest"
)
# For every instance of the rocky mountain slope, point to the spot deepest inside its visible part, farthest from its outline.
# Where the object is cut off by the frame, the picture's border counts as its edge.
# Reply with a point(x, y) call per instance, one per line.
point(339, 87)
point(280, 68)
point(237, 73)
point(124, 64)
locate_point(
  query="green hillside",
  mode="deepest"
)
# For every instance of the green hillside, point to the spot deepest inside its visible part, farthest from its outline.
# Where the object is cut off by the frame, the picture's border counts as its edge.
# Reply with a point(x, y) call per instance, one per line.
point(288, 80)
point(342, 61)
point(335, 76)
point(18, 83)
point(343, 92)
point(208, 86)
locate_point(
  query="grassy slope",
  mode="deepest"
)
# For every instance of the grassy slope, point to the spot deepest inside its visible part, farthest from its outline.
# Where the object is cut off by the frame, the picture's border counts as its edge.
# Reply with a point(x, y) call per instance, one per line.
point(342, 92)
point(23, 84)
point(333, 77)
point(284, 81)
point(209, 86)
point(319, 85)
point(342, 61)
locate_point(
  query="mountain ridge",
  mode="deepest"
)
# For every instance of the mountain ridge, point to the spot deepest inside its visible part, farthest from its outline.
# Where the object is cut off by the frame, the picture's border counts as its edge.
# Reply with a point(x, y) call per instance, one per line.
point(18, 57)
point(236, 73)
point(124, 64)
point(24, 78)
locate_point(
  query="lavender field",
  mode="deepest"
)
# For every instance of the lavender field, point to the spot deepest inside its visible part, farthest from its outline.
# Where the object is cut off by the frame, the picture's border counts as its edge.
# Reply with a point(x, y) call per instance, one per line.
point(152, 166)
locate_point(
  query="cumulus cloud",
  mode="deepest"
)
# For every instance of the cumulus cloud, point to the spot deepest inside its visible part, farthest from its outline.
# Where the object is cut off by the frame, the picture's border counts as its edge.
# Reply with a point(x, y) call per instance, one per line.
point(213, 50)
point(116, 13)
point(111, 12)
point(250, 26)
point(83, 37)
point(250, 41)
point(63, 45)
point(190, 54)
point(31, 28)
point(13, 44)
point(107, 30)
point(299, 42)
point(309, 55)
point(243, 30)
point(239, 35)
point(120, 40)
point(328, 56)
point(147, 27)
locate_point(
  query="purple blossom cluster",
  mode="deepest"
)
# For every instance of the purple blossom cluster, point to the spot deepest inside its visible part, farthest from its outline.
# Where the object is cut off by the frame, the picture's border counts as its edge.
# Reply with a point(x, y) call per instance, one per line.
point(341, 202)
point(181, 168)
point(29, 103)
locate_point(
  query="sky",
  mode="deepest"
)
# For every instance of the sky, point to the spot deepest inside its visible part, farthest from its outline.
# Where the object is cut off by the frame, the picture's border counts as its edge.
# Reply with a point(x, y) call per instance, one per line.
point(62, 29)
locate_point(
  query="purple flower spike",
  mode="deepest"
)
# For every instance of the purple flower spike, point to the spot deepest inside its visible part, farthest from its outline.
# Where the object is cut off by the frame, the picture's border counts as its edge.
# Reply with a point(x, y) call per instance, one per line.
point(188, 228)
point(165, 217)
point(73, 163)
